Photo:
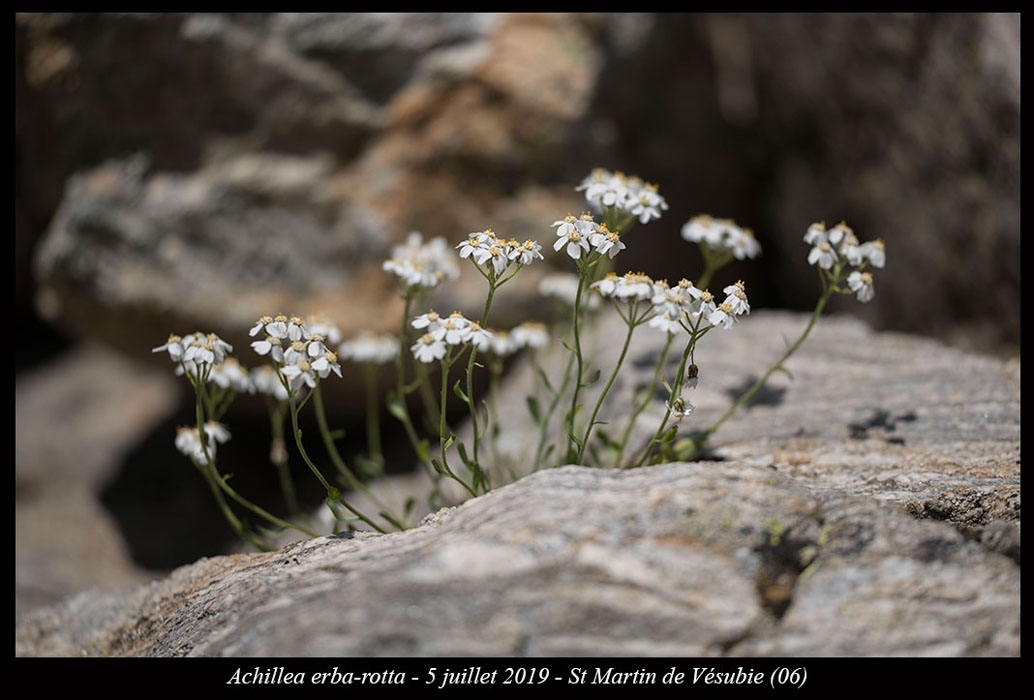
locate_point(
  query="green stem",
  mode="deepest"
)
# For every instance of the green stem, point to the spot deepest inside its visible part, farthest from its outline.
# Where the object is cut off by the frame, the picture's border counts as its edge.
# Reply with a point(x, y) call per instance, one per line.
point(278, 453)
point(332, 493)
point(647, 399)
point(676, 387)
point(446, 363)
point(335, 457)
point(578, 357)
point(544, 428)
point(599, 402)
point(373, 418)
point(470, 384)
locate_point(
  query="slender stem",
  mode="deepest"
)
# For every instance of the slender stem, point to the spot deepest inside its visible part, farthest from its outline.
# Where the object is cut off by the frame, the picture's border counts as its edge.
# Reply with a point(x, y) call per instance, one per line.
point(699, 440)
point(278, 454)
point(578, 357)
point(470, 380)
point(544, 428)
point(332, 492)
point(207, 469)
point(675, 388)
point(373, 418)
point(631, 320)
point(647, 399)
point(335, 457)
point(400, 395)
point(446, 363)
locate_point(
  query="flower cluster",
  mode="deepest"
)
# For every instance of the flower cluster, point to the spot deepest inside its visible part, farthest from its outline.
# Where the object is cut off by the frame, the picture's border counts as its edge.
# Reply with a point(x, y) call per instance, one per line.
point(564, 286)
point(629, 195)
point(840, 245)
point(368, 347)
point(265, 380)
point(300, 353)
point(582, 234)
point(722, 235)
point(188, 440)
point(422, 265)
point(231, 374)
point(527, 335)
point(439, 333)
point(485, 247)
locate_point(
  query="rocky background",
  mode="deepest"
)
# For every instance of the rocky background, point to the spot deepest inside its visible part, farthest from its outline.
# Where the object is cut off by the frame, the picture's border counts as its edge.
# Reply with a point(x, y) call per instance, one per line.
point(188, 171)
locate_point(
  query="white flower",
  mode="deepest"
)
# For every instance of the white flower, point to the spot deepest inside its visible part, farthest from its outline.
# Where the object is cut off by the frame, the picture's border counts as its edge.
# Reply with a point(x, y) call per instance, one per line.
point(326, 364)
point(379, 349)
point(703, 305)
point(296, 353)
point(680, 408)
point(188, 440)
point(837, 233)
point(300, 373)
point(174, 346)
point(606, 242)
point(431, 321)
point(296, 328)
point(722, 234)
point(322, 325)
point(209, 349)
point(646, 203)
point(455, 330)
point(671, 300)
point(815, 234)
point(723, 315)
point(664, 321)
point(875, 251)
point(502, 344)
point(428, 349)
point(850, 249)
point(526, 253)
point(823, 254)
point(477, 335)
point(265, 380)
point(419, 264)
point(231, 375)
point(530, 334)
point(633, 286)
point(571, 232)
point(276, 333)
point(861, 282)
point(736, 295)
point(564, 286)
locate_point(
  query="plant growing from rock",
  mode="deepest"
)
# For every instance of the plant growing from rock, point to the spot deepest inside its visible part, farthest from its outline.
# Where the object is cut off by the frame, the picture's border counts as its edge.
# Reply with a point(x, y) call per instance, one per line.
point(685, 312)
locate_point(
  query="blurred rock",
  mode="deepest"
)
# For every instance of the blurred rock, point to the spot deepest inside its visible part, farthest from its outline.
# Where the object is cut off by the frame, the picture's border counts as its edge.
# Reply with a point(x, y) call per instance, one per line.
point(296, 145)
point(74, 420)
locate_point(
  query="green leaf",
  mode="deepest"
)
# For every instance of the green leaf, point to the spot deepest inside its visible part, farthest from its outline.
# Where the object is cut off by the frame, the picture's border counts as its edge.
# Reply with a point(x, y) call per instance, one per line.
point(593, 379)
point(408, 507)
point(448, 443)
point(397, 408)
point(785, 371)
point(670, 434)
point(545, 380)
point(463, 456)
point(459, 392)
point(533, 409)
point(423, 449)
point(438, 467)
point(339, 514)
point(605, 438)
point(574, 439)
point(667, 386)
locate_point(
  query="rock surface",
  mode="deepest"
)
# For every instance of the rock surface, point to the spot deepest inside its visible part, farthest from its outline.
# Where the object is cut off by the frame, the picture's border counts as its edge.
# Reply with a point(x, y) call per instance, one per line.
point(871, 508)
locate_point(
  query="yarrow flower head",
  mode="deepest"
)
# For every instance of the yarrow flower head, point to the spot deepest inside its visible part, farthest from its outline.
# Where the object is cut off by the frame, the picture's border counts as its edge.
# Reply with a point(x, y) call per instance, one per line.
point(367, 347)
point(188, 440)
point(615, 192)
point(530, 335)
point(633, 286)
point(299, 352)
point(839, 246)
point(231, 375)
point(420, 265)
point(442, 332)
point(485, 247)
point(564, 286)
point(722, 235)
point(574, 233)
point(265, 380)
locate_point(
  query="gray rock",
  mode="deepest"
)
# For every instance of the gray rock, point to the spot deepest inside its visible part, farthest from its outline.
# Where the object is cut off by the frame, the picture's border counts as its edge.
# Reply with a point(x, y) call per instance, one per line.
point(681, 559)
